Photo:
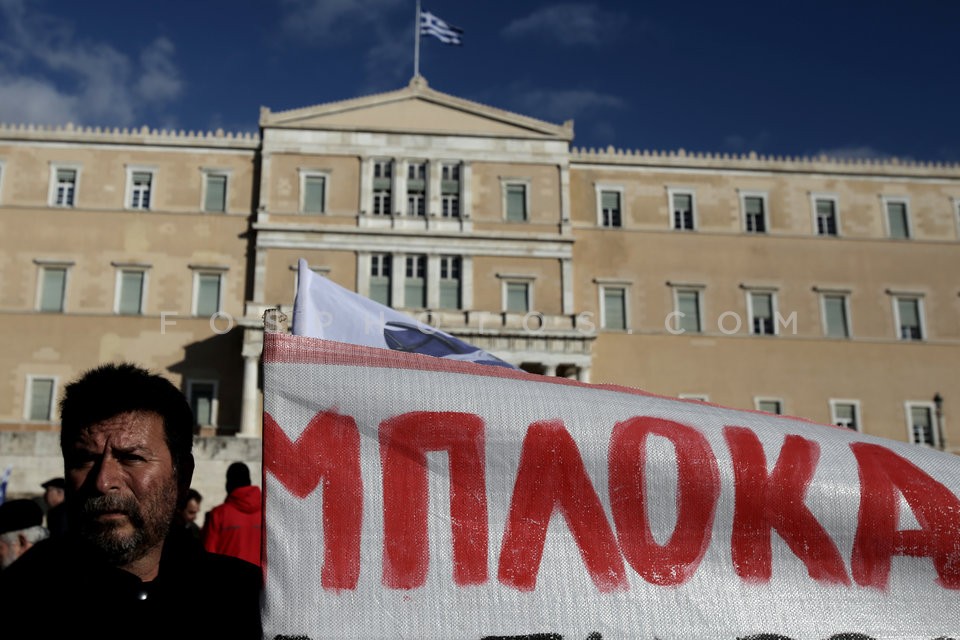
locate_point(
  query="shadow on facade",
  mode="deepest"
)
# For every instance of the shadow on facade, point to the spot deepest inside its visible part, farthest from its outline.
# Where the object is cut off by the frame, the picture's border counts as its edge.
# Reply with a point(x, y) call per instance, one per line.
point(212, 378)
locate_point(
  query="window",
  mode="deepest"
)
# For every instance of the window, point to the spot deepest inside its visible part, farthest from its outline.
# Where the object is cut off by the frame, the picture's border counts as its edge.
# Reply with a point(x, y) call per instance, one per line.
point(203, 401)
point(131, 287)
point(415, 283)
point(836, 322)
point(920, 416)
point(681, 207)
point(140, 188)
point(687, 308)
point(450, 282)
point(417, 189)
point(762, 305)
point(610, 208)
point(380, 283)
point(382, 187)
point(754, 213)
point(515, 201)
point(64, 187)
point(314, 193)
point(207, 293)
point(898, 218)
point(517, 297)
point(826, 212)
point(909, 315)
point(215, 192)
point(769, 406)
point(845, 413)
point(40, 397)
point(614, 309)
point(53, 287)
point(450, 191)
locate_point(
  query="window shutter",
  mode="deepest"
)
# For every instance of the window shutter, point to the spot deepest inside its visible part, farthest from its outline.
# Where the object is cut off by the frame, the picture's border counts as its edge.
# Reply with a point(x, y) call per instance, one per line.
point(41, 396)
point(836, 317)
point(216, 193)
point(314, 193)
point(688, 303)
point(131, 292)
point(897, 214)
point(614, 308)
point(518, 297)
point(208, 294)
point(516, 202)
point(54, 283)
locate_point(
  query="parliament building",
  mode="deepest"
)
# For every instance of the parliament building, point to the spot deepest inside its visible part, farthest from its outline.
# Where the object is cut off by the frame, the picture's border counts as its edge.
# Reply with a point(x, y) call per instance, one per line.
point(822, 288)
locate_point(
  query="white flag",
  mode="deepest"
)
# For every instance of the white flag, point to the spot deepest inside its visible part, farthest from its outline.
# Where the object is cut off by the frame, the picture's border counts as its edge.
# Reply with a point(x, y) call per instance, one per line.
point(324, 309)
point(431, 25)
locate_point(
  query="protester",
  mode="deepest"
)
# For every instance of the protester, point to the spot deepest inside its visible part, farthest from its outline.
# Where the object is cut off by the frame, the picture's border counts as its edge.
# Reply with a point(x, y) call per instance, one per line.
point(187, 512)
point(233, 528)
point(126, 438)
point(21, 527)
point(53, 495)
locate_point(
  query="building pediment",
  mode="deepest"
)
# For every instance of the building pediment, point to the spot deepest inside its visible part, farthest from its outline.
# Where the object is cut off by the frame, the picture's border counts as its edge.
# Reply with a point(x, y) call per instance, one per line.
point(416, 109)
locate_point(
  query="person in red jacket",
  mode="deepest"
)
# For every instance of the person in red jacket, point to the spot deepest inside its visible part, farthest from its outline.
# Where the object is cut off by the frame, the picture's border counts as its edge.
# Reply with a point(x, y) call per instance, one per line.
point(233, 528)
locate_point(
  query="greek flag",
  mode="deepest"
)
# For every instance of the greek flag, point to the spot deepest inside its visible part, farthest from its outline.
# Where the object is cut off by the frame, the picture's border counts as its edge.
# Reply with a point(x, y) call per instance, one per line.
point(431, 25)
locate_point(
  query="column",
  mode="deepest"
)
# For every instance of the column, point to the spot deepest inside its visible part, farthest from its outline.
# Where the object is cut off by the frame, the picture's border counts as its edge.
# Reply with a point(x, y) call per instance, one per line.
point(366, 186)
point(566, 282)
point(433, 281)
point(583, 374)
point(250, 426)
point(550, 370)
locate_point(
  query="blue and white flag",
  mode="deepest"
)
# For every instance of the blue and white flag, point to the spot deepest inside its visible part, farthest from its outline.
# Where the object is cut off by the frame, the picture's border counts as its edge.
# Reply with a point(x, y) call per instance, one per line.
point(3, 484)
point(431, 25)
point(324, 309)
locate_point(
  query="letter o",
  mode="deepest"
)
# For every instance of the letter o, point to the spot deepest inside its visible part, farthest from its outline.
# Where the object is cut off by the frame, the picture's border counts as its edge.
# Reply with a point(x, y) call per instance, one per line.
point(698, 488)
point(726, 314)
point(221, 314)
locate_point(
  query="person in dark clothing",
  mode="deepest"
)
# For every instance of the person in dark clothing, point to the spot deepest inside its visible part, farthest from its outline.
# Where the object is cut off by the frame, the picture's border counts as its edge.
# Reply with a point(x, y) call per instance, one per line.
point(53, 494)
point(126, 439)
point(233, 528)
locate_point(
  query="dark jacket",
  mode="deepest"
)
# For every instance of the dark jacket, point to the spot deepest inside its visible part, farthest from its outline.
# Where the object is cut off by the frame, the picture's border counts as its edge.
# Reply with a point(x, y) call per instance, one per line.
point(195, 595)
point(233, 528)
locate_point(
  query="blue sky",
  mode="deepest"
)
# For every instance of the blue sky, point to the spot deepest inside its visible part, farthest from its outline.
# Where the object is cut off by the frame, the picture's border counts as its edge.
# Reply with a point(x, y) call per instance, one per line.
point(846, 78)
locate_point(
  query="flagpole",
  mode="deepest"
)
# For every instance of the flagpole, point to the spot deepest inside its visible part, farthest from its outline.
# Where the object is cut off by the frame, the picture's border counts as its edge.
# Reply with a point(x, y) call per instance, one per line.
point(416, 44)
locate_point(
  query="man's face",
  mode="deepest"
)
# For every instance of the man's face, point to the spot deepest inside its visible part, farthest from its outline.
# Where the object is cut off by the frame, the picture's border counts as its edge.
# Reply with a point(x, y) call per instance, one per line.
point(9, 551)
point(191, 510)
point(121, 485)
point(53, 496)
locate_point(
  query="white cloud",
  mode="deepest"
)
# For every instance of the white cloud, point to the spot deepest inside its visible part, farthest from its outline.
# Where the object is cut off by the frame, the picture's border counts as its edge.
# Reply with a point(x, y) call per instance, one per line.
point(160, 80)
point(328, 22)
point(563, 104)
point(568, 24)
point(49, 75)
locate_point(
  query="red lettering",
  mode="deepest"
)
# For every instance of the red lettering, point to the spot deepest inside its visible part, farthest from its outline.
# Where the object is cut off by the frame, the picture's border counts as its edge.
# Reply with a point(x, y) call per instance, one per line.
point(327, 450)
point(551, 475)
point(883, 473)
point(404, 441)
point(776, 501)
point(698, 488)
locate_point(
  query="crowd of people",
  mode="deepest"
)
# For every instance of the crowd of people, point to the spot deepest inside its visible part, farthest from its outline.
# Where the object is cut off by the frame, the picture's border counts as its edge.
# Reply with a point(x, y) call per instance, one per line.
point(120, 535)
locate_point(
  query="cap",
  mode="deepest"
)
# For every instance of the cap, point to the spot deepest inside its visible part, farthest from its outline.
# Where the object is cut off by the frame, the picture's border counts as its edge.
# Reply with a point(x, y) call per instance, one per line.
point(19, 514)
point(57, 483)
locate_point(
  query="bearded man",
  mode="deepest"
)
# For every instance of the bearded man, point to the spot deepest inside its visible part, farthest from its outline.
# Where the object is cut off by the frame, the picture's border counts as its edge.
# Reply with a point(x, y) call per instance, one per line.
point(126, 438)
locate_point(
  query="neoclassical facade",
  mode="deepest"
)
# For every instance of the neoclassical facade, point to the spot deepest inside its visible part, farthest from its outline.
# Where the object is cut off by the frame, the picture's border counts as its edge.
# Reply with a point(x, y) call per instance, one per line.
point(815, 287)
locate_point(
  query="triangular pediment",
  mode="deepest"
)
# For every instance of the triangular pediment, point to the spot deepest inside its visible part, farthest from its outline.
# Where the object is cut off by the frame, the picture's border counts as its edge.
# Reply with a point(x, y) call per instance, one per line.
point(417, 109)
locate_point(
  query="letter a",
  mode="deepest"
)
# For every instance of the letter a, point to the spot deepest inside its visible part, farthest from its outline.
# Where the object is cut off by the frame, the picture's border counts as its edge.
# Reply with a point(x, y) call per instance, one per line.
point(883, 473)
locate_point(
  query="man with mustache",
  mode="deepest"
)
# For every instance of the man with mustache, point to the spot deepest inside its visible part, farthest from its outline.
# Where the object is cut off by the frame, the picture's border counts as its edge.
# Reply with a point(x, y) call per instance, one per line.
point(126, 438)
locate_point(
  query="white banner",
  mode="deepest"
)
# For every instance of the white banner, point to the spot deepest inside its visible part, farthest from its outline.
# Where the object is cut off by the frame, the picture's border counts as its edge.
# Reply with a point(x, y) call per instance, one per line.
point(416, 497)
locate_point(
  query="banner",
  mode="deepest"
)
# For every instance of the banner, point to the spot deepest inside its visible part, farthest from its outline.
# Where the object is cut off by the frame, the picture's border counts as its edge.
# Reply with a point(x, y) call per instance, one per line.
point(417, 497)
